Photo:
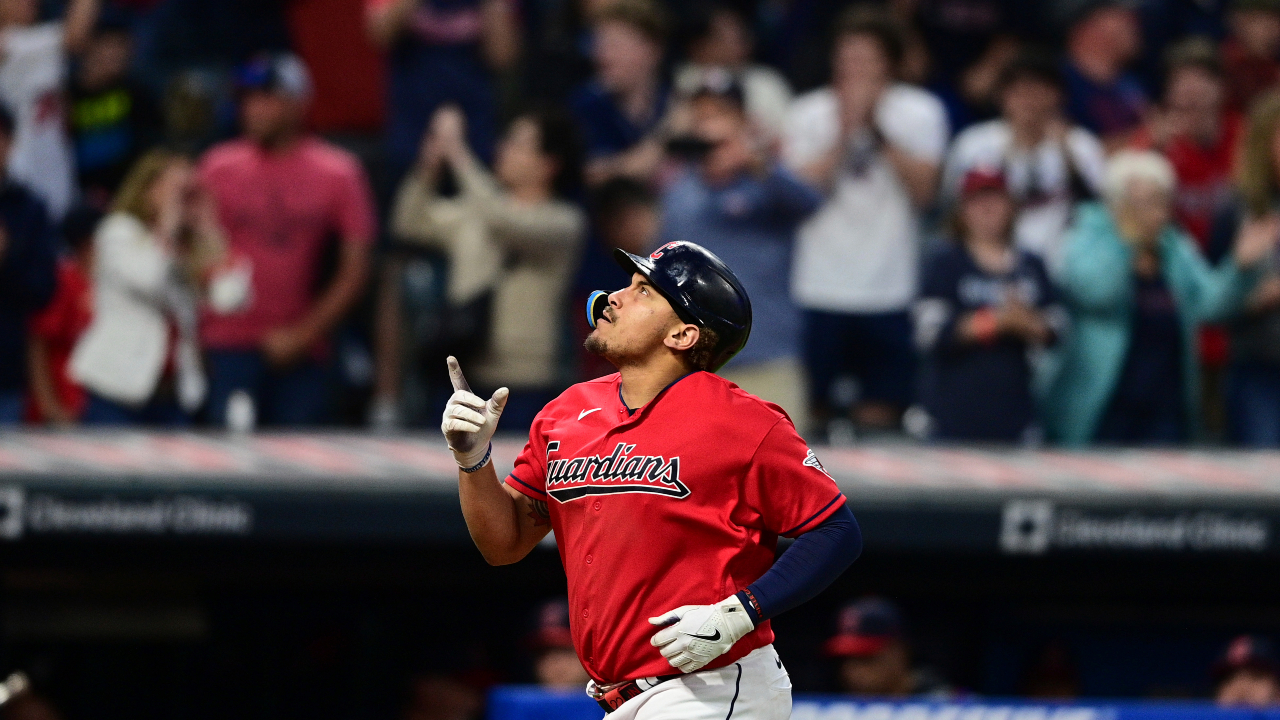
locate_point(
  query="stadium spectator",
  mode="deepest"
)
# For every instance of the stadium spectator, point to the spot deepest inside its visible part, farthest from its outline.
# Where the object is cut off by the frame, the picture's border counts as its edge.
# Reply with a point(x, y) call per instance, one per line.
point(983, 305)
point(513, 240)
point(1102, 40)
point(972, 94)
point(33, 66)
point(112, 119)
point(441, 52)
point(1253, 383)
point(283, 197)
point(139, 359)
point(719, 40)
point(556, 665)
point(1247, 674)
point(1251, 51)
point(621, 109)
point(1049, 164)
point(745, 206)
point(1200, 137)
point(56, 399)
point(874, 145)
point(1139, 288)
point(28, 262)
point(1194, 130)
point(873, 655)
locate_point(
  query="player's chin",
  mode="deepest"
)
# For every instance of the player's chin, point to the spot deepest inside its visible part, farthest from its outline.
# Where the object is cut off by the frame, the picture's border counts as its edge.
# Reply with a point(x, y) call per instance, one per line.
point(595, 344)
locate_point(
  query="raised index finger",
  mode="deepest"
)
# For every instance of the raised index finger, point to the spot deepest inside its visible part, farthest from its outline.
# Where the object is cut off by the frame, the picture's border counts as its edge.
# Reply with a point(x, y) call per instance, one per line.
point(455, 374)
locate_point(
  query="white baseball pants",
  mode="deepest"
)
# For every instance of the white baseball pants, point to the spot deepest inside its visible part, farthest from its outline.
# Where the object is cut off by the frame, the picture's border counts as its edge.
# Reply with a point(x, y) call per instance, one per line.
point(756, 687)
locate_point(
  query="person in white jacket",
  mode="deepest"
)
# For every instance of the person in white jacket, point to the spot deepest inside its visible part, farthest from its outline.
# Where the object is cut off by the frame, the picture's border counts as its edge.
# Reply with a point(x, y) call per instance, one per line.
point(140, 359)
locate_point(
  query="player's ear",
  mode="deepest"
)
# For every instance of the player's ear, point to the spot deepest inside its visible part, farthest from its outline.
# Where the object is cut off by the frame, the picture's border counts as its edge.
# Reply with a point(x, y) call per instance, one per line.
point(683, 337)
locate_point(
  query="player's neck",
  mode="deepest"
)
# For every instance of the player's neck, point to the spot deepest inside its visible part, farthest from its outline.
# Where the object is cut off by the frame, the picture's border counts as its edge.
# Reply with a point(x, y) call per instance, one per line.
point(642, 383)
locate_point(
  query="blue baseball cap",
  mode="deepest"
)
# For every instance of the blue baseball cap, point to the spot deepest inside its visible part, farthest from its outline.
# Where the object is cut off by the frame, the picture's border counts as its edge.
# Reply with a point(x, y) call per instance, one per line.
point(283, 73)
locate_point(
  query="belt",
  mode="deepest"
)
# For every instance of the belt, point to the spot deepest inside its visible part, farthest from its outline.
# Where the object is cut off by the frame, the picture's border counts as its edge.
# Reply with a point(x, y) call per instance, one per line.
point(611, 697)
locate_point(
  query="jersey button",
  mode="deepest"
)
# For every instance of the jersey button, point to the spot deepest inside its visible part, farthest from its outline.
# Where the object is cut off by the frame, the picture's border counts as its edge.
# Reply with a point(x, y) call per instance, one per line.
point(589, 559)
point(597, 505)
point(585, 613)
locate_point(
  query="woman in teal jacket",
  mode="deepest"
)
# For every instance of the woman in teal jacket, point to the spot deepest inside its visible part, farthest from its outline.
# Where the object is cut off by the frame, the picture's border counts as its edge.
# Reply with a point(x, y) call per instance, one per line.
point(1137, 288)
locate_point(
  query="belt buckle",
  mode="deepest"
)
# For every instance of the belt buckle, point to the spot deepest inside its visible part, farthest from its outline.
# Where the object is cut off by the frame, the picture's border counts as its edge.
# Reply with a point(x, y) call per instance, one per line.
point(615, 697)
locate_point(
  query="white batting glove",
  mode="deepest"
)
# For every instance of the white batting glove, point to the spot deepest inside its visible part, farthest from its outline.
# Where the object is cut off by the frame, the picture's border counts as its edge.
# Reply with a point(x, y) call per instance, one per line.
point(469, 422)
point(697, 634)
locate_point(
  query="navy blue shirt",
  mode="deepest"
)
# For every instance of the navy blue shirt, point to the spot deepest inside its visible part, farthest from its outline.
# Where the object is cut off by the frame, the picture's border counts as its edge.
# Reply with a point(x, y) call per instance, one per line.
point(1147, 405)
point(749, 224)
point(439, 61)
point(1104, 109)
point(605, 128)
point(28, 267)
point(972, 391)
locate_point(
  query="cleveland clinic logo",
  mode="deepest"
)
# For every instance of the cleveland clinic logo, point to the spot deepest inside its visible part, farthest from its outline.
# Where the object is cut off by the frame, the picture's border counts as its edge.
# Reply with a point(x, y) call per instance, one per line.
point(618, 472)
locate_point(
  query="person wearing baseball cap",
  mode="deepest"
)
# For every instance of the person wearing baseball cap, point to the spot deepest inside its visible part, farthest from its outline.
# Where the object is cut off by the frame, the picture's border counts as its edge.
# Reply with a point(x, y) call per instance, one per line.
point(1247, 674)
point(280, 195)
point(983, 304)
point(556, 665)
point(873, 655)
point(1103, 38)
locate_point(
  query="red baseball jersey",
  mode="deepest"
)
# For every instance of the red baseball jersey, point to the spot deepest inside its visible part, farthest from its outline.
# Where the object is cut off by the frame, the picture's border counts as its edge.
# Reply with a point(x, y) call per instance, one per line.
point(680, 502)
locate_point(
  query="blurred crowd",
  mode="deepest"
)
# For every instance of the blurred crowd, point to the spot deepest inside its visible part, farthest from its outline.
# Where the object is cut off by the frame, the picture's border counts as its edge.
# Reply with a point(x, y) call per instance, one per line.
point(869, 654)
point(958, 220)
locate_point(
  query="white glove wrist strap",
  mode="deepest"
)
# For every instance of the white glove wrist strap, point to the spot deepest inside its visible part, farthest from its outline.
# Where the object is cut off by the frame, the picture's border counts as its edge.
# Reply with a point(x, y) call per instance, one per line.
point(474, 461)
point(737, 621)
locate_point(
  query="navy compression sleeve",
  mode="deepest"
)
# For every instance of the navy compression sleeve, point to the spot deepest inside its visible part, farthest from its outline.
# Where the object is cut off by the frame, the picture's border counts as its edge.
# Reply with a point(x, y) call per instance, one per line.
point(812, 563)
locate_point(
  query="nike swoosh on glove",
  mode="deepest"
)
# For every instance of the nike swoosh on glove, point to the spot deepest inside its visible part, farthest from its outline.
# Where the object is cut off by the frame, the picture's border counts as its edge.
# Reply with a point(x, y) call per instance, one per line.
point(697, 634)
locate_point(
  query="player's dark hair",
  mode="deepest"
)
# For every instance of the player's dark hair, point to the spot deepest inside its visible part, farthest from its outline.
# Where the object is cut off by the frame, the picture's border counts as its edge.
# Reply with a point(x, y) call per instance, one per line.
point(558, 137)
point(700, 355)
point(874, 22)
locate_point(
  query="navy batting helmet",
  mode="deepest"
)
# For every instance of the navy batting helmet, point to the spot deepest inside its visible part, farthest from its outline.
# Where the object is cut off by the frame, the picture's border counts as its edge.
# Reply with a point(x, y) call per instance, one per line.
point(701, 289)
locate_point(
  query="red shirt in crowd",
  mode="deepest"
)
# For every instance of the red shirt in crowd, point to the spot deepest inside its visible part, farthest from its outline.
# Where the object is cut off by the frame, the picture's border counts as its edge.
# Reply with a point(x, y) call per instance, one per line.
point(278, 210)
point(60, 325)
point(1204, 174)
point(680, 502)
point(1204, 188)
point(1247, 75)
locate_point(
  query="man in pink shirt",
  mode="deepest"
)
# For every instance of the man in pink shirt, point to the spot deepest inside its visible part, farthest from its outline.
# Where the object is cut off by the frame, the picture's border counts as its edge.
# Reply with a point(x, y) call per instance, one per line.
point(282, 197)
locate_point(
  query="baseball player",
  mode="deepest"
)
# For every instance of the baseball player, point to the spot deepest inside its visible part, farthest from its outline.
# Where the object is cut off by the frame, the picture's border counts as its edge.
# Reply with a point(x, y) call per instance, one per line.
point(667, 488)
